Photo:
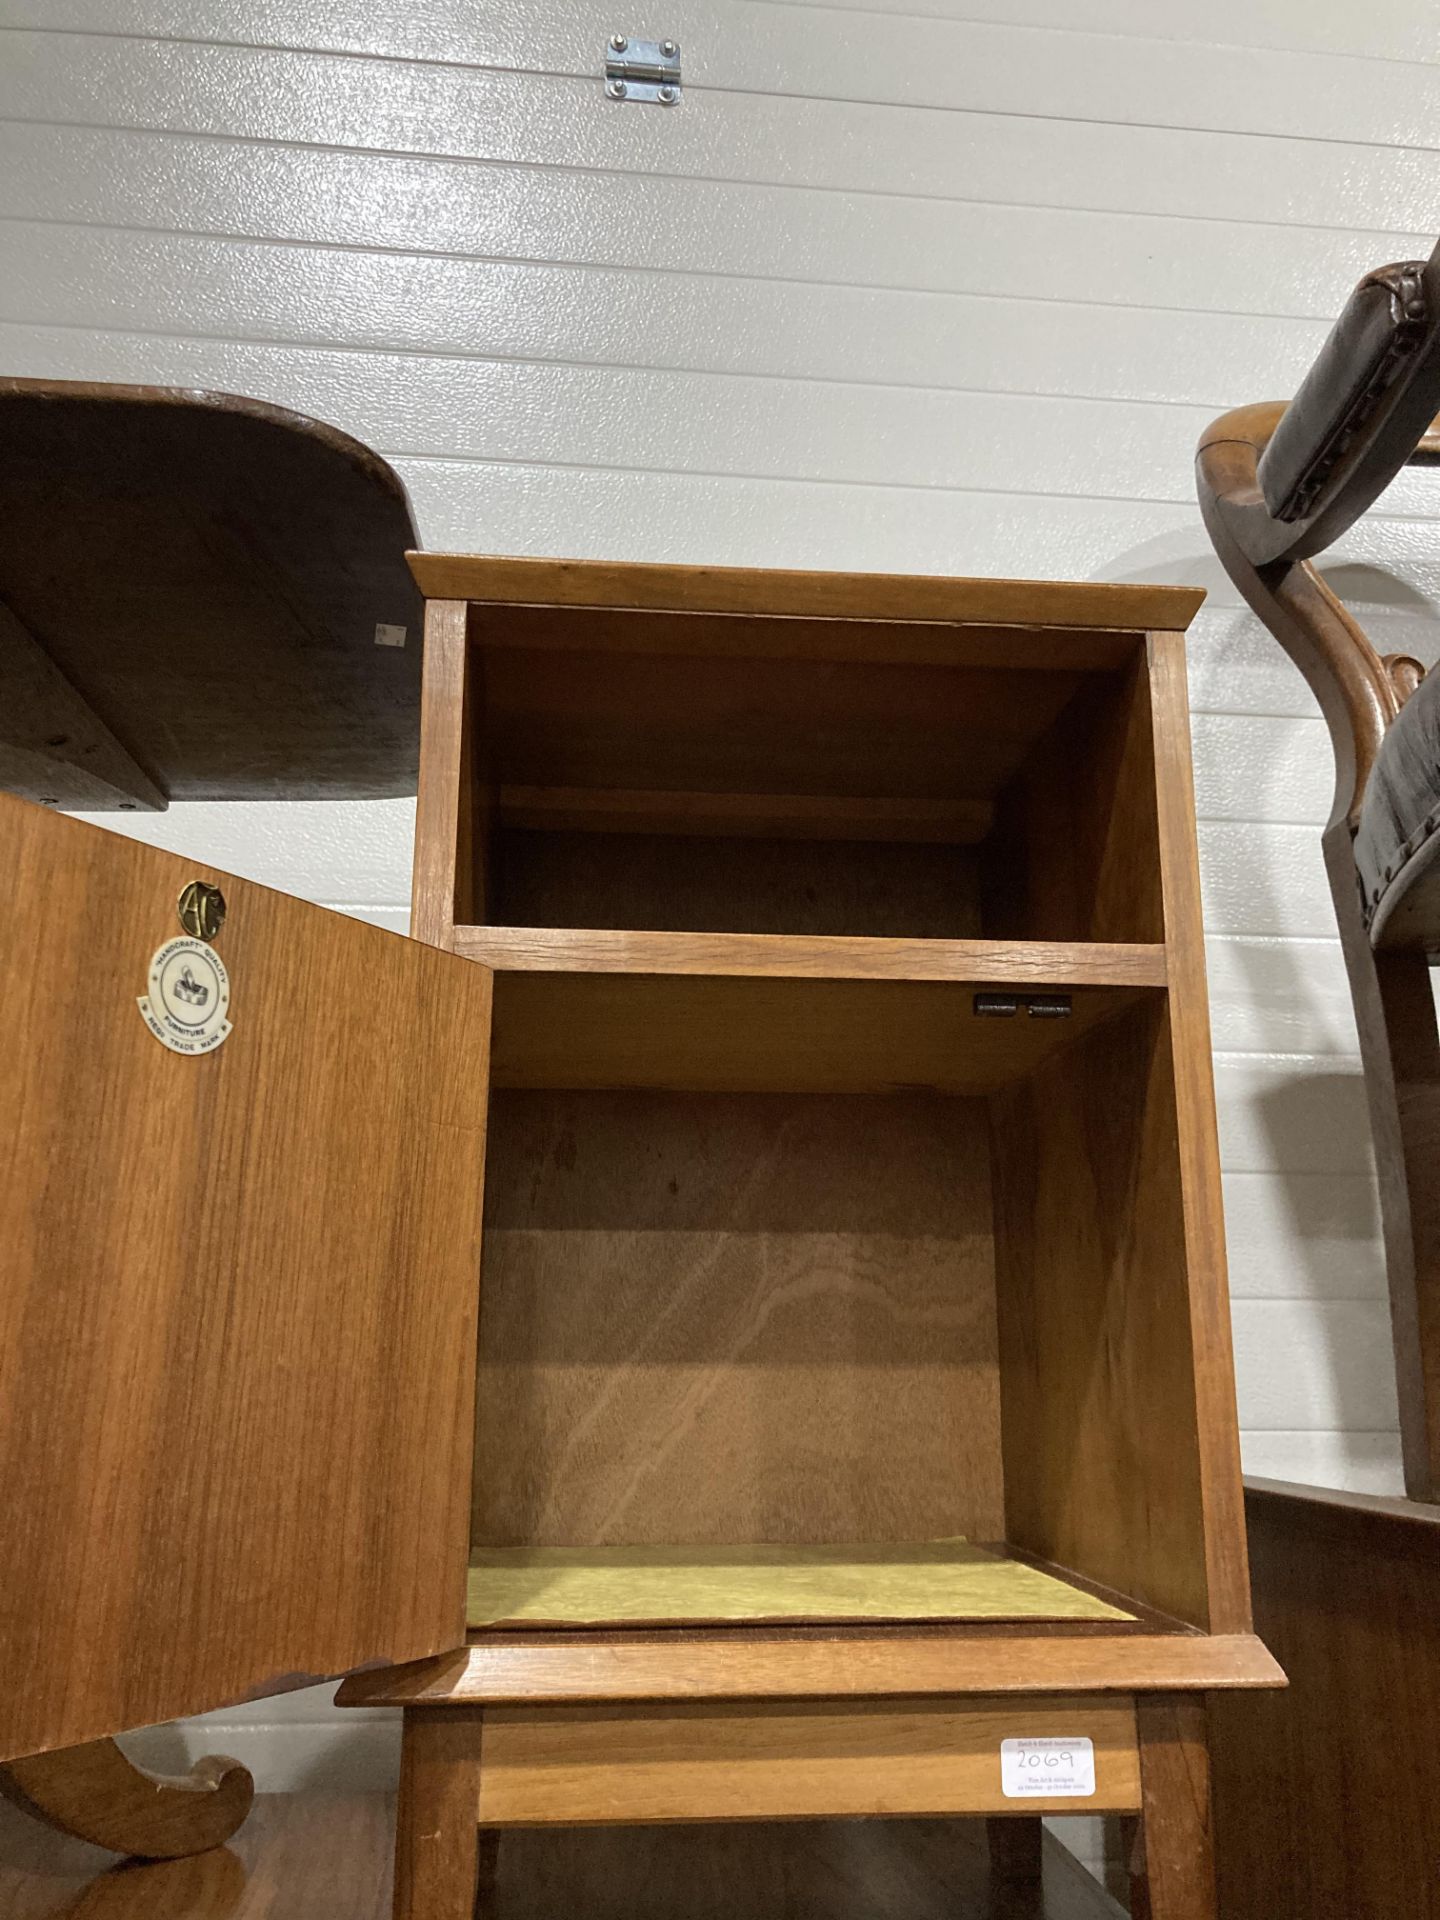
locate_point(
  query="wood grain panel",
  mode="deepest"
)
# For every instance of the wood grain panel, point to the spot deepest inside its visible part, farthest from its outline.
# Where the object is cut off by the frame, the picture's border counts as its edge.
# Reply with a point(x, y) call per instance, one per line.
point(873, 889)
point(1018, 963)
point(730, 1319)
point(814, 595)
point(721, 1034)
point(1360, 1643)
point(1101, 1437)
point(1218, 1456)
point(447, 876)
point(588, 1765)
point(517, 1669)
point(765, 816)
point(238, 1300)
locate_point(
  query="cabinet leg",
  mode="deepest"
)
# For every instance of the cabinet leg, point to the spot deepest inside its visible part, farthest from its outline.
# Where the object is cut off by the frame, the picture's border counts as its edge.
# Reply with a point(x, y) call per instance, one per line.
point(92, 1792)
point(437, 1836)
point(1172, 1869)
point(1014, 1844)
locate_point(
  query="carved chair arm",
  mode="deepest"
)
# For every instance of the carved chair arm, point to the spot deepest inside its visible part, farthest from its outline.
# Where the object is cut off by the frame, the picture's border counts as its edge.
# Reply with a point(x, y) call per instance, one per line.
point(1278, 483)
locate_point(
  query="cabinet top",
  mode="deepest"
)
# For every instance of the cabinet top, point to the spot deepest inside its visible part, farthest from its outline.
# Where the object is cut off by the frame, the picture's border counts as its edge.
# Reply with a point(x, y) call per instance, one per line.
point(500, 578)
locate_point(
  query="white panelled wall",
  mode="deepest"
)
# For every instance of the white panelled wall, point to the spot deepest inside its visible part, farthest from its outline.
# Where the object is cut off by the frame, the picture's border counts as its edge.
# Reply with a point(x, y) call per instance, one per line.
point(922, 285)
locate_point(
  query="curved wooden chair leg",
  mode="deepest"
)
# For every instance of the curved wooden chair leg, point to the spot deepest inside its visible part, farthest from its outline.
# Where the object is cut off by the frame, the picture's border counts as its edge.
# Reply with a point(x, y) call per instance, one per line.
point(94, 1793)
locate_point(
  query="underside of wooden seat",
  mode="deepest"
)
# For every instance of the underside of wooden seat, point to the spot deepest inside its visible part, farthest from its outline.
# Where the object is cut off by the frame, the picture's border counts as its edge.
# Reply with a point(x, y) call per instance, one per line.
point(202, 597)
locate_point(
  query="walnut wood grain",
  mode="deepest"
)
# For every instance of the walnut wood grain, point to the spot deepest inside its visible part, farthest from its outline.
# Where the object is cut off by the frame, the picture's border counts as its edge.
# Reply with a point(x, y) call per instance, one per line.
point(765, 816)
point(518, 1669)
point(602, 1765)
point(846, 596)
point(437, 1840)
point(93, 1792)
point(1174, 1878)
point(714, 1033)
point(207, 573)
point(1345, 1590)
point(1023, 964)
point(444, 811)
point(1198, 1206)
point(237, 1301)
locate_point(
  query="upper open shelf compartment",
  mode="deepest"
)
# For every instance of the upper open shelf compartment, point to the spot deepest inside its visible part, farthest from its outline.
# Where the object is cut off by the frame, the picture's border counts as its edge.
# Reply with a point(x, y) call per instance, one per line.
point(859, 758)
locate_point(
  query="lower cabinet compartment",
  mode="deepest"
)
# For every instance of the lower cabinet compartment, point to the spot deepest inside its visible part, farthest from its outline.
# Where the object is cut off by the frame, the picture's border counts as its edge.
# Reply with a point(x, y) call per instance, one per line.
point(842, 1356)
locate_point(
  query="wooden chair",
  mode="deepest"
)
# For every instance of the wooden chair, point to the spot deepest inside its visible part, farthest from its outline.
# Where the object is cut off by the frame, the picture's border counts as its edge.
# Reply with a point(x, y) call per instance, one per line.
point(201, 598)
point(1318, 1808)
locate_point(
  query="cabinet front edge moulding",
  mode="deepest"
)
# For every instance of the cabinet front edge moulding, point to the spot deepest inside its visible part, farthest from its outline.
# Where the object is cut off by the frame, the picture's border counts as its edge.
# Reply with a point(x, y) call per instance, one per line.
point(1123, 608)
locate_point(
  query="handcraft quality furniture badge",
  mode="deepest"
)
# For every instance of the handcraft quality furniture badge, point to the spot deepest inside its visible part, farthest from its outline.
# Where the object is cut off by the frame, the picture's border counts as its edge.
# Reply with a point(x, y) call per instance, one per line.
point(189, 997)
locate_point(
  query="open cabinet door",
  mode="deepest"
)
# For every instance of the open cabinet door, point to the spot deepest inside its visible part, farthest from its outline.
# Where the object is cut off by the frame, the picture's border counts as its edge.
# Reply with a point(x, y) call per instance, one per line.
point(238, 1291)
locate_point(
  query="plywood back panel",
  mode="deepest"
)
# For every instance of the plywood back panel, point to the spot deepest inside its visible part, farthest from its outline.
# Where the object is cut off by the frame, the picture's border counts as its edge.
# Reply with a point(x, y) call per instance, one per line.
point(716, 724)
point(727, 1318)
point(734, 885)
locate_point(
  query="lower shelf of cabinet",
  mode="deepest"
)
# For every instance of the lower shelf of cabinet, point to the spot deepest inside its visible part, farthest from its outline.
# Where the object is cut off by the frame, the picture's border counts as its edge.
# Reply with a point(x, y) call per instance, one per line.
point(883, 1582)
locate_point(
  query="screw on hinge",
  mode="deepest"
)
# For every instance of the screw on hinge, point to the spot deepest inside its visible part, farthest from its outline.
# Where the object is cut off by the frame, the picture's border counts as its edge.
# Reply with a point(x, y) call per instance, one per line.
point(616, 89)
point(666, 96)
point(619, 42)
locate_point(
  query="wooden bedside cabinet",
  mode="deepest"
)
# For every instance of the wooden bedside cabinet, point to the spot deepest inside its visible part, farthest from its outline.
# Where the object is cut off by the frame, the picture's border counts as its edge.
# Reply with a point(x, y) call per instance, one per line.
point(845, 1422)
point(851, 1194)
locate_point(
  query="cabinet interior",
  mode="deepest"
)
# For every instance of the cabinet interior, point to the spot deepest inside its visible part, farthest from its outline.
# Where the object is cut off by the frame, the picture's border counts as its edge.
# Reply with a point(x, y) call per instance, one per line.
point(808, 1251)
point(718, 774)
point(726, 1319)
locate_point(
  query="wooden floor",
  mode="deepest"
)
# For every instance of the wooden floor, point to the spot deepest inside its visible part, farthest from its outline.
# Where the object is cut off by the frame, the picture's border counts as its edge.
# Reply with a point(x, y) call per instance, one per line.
point(313, 1858)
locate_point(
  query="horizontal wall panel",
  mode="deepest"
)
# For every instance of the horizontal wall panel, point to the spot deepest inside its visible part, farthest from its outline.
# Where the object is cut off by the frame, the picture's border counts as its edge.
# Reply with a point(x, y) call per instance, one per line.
point(1262, 878)
point(1303, 1236)
point(421, 204)
point(1348, 1462)
point(340, 850)
point(545, 414)
point(604, 416)
point(399, 106)
point(1262, 767)
point(324, 296)
point(1302, 1363)
point(1386, 30)
point(1270, 994)
point(976, 65)
point(1292, 1112)
point(1236, 666)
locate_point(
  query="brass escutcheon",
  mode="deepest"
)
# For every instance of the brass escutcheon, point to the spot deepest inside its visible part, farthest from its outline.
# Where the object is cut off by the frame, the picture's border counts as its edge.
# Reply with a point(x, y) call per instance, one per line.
point(201, 908)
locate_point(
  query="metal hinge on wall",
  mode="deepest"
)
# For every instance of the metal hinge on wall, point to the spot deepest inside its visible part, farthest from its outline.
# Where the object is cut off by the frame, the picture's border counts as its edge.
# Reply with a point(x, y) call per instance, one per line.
point(642, 69)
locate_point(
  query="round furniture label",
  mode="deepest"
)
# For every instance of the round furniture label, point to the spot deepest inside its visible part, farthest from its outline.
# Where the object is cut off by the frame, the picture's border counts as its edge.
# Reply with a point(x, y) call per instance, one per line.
point(189, 997)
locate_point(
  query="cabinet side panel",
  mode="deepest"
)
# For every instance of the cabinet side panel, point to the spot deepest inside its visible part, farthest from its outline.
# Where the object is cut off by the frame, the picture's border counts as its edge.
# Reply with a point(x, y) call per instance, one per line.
point(1198, 1144)
point(1102, 1468)
point(448, 882)
point(237, 1295)
point(722, 1318)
